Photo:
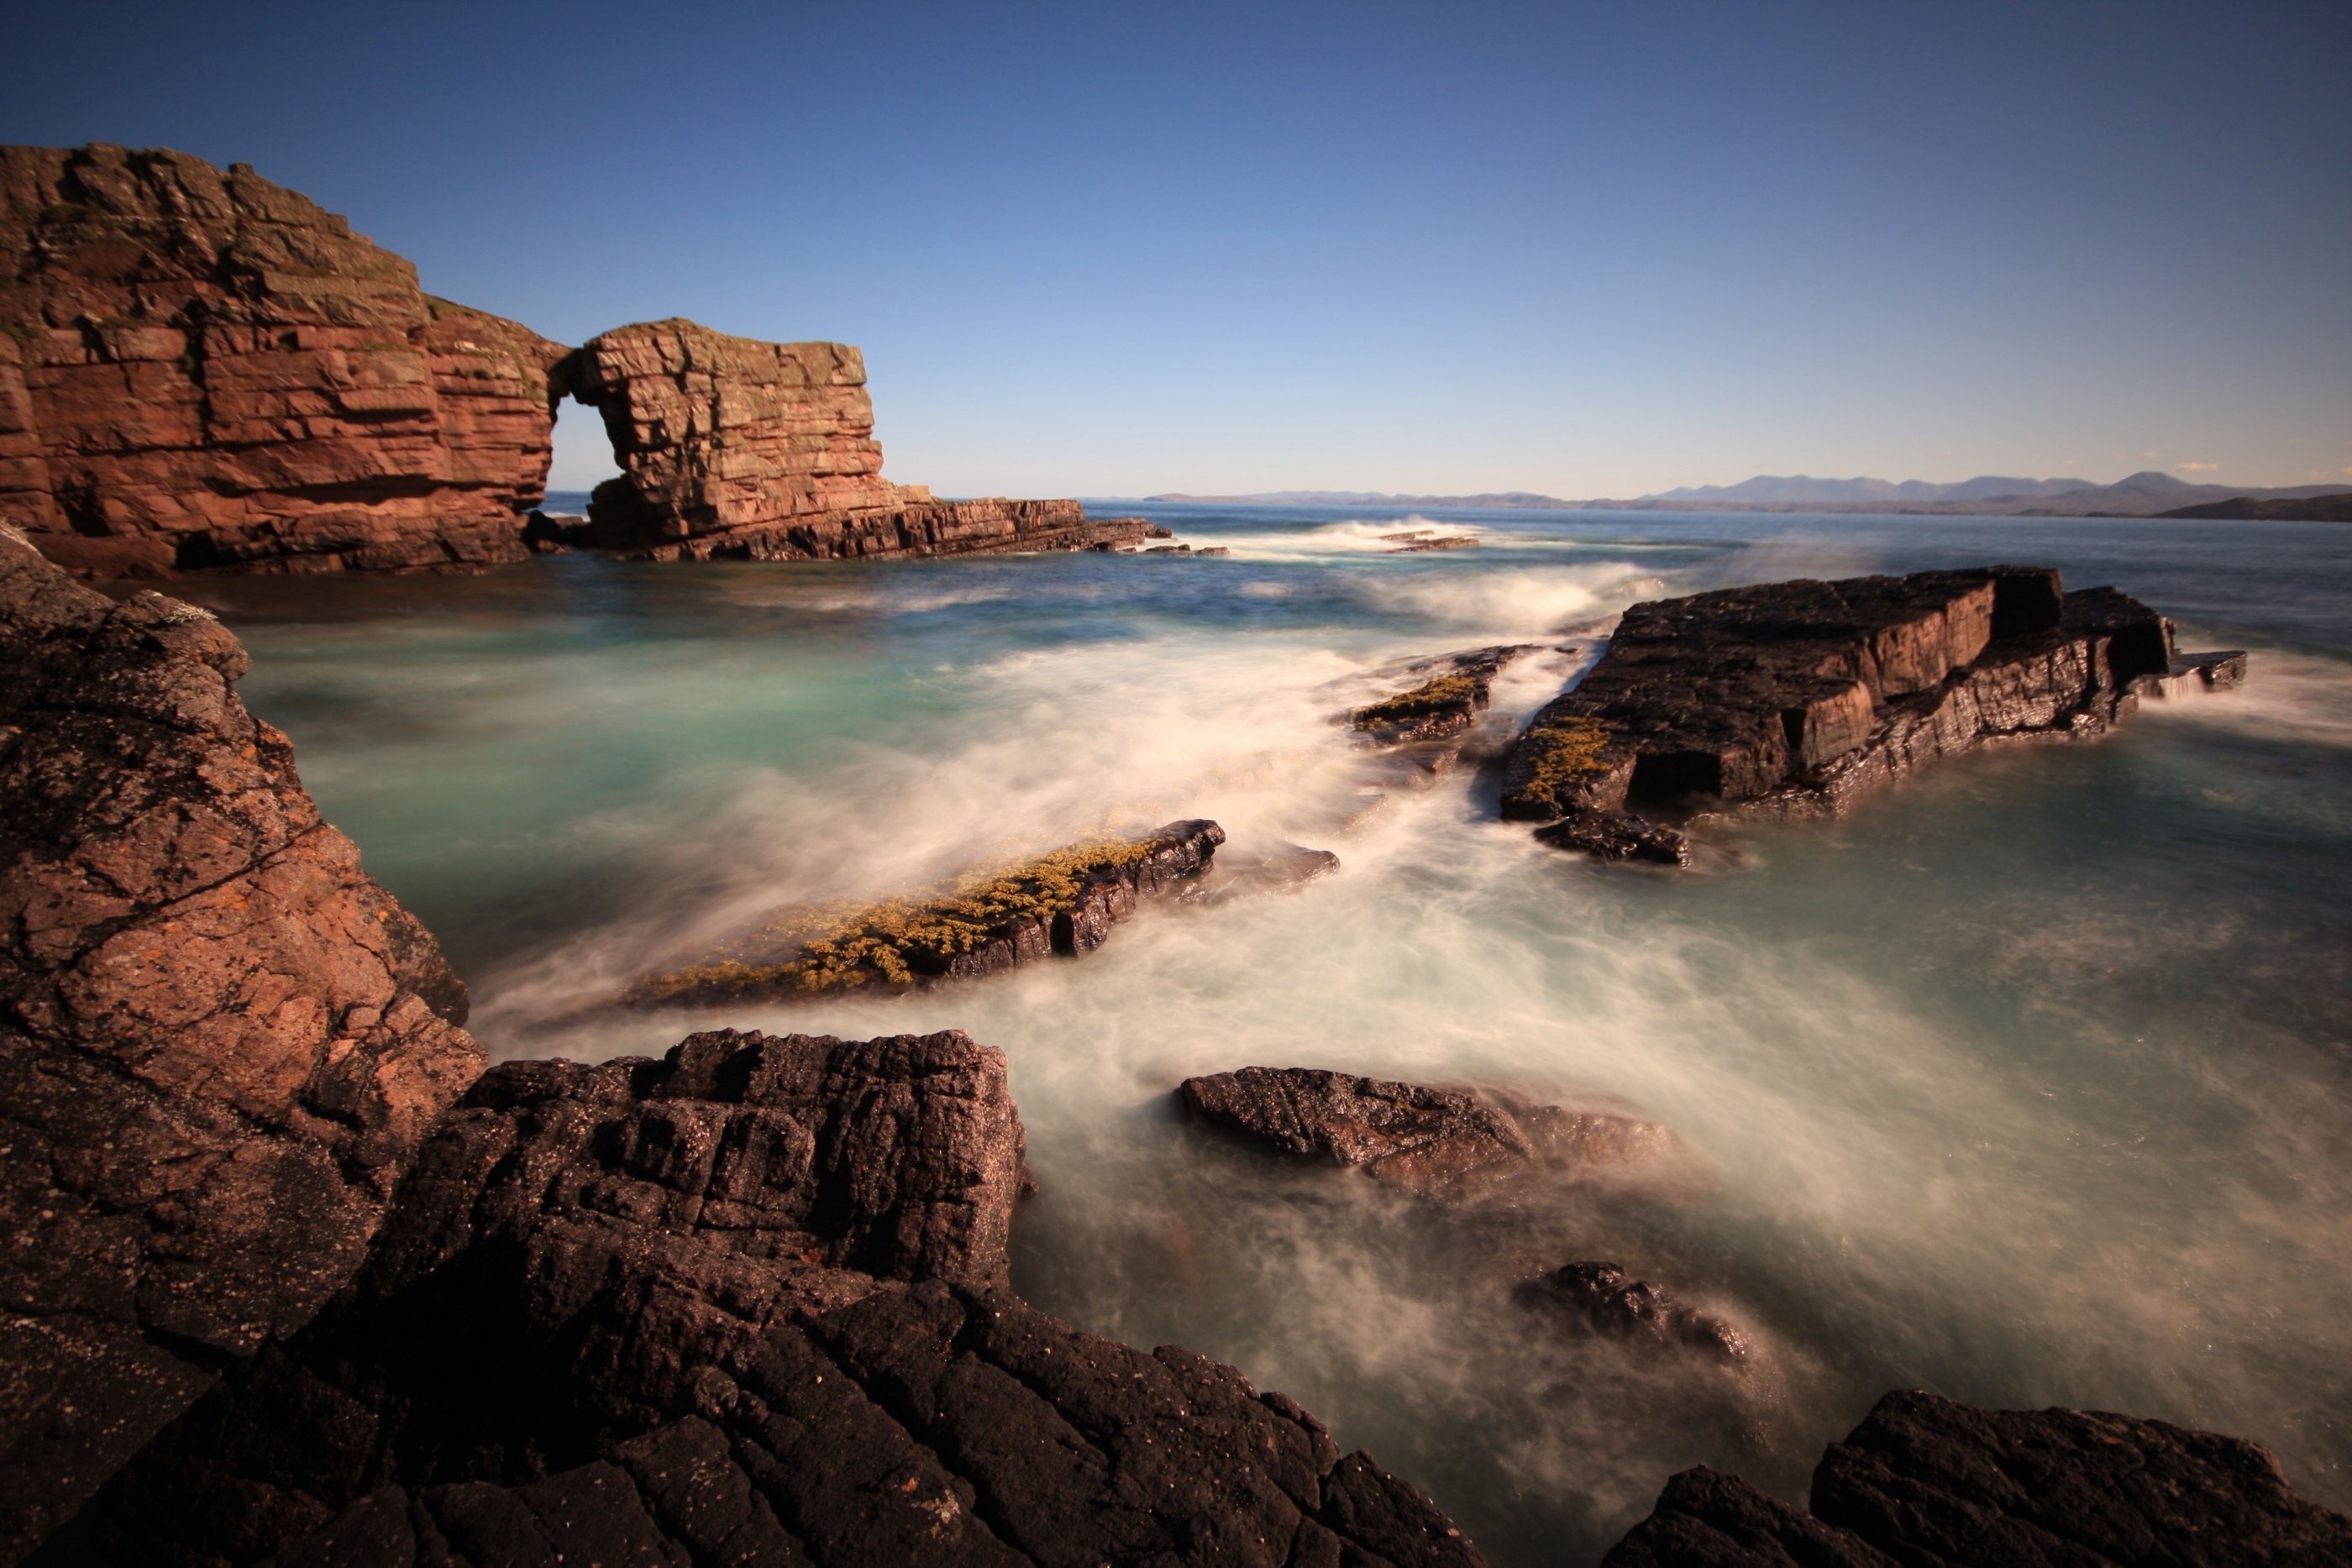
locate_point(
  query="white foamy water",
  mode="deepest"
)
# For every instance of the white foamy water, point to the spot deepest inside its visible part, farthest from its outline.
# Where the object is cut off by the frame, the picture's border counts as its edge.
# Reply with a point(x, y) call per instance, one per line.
point(2025, 1083)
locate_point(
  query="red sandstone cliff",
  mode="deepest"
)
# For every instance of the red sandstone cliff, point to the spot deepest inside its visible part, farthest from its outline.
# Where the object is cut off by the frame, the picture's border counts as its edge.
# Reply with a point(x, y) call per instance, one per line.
point(201, 369)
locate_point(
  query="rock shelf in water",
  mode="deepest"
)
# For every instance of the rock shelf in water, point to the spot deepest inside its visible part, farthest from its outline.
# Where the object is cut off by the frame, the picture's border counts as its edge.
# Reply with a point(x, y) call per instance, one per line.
point(1795, 697)
point(1608, 1301)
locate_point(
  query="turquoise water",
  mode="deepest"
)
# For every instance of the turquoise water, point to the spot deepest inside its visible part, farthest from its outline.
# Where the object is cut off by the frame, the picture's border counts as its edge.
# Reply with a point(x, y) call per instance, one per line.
point(2026, 1082)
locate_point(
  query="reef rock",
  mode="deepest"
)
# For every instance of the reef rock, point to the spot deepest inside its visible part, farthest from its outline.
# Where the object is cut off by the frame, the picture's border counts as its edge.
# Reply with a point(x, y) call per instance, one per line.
point(1452, 690)
point(1927, 1483)
point(1797, 696)
point(1441, 1144)
point(1060, 903)
point(204, 369)
point(220, 1042)
point(1610, 1301)
point(744, 1304)
point(735, 448)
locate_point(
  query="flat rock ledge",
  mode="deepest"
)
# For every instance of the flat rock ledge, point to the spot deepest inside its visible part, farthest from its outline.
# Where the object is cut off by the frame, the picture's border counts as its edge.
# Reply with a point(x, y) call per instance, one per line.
point(1796, 697)
point(1440, 1143)
point(743, 1305)
point(1927, 1483)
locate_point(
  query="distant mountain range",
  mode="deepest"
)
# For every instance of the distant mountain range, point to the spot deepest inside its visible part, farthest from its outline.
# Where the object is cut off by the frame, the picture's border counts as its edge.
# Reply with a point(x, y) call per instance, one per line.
point(2143, 494)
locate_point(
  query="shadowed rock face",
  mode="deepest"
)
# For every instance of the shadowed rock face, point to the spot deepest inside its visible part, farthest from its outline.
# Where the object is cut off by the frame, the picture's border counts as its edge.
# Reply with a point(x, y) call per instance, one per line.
point(1434, 1143)
point(220, 1042)
point(732, 447)
point(1926, 1482)
point(659, 1312)
point(1797, 696)
point(204, 369)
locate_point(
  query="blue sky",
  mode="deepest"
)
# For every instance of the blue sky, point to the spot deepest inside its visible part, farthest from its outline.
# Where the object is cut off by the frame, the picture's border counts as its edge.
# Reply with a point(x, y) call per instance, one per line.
point(1590, 250)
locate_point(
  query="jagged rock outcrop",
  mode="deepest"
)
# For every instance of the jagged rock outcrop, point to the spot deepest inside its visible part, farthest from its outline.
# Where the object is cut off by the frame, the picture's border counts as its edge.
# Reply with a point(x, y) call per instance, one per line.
point(1927, 1483)
point(1797, 696)
point(1607, 1299)
point(731, 447)
point(1062, 904)
point(201, 369)
point(220, 1042)
point(743, 1305)
point(1434, 1143)
point(1452, 690)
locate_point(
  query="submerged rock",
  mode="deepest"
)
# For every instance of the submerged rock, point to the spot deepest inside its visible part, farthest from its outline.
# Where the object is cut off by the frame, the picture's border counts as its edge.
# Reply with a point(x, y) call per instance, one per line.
point(1434, 1142)
point(1928, 1483)
point(1794, 697)
point(221, 1043)
point(1605, 1297)
point(1453, 690)
point(1062, 904)
point(1283, 869)
point(744, 1304)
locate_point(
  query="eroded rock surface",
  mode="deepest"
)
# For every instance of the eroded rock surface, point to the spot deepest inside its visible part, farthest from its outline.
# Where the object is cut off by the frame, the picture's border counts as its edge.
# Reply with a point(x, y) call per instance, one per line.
point(220, 1042)
point(1431, 1142)
point(201, 369)
point(1608, 1301)
point(743, 1304)
point(1450, 691)
point(1926, 1482)
point(1797, 696)
point(730, 447)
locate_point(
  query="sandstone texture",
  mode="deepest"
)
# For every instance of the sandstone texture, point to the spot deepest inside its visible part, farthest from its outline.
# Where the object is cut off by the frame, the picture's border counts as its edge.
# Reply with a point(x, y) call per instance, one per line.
point(734, 448)
point(220, 1042)
point(1798, 697)
point(1442, 1143)
point(744, 1304)
point(201, 369)
point(1608, 1301)
point(1058, 905)
point(1927, 1483)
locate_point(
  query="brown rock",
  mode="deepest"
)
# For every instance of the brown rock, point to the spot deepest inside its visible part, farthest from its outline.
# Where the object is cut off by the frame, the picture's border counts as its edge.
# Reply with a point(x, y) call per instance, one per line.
point(730, 447)
point(204, 369)
point(220, 1042)
point(1608, 1301)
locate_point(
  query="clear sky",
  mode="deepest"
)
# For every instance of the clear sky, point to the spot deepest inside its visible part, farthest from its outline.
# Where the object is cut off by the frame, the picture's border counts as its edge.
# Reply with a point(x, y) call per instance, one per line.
point(1586, 249)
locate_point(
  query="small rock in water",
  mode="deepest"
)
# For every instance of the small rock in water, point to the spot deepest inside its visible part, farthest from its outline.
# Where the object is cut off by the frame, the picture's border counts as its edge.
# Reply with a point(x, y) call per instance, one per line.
point(1612, 1301)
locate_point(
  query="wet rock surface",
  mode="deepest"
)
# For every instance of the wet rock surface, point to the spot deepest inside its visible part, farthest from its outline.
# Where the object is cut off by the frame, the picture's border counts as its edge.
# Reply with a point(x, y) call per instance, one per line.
point(1450, 691)
point(1443, 1144)
point(743, 1305)
point(1795, 697)
point(1927, 1482)
point(1606, 1299)
point(730, 447)
point(203, 369)
point(221, 1043)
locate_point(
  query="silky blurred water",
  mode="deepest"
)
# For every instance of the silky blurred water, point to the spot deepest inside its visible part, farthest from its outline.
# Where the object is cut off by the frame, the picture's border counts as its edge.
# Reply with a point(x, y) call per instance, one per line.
point(2026, 1082)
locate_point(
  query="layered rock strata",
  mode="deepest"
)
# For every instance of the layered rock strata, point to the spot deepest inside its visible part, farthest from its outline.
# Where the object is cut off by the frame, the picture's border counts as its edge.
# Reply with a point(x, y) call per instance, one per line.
point(739, 449)
point(1063, 904)
point(220, 1042)
point(1927, 1483)
point(1442, 1143)
point(1798, 697)
point(743, 1304)
point(201, 369)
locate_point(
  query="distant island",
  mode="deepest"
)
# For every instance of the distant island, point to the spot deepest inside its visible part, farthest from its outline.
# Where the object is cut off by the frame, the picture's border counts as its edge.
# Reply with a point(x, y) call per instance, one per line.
point(2147, 494)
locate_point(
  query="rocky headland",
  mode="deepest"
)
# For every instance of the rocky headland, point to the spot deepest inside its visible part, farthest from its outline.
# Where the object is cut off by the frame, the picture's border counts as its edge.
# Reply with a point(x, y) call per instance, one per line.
point(1796, 697)
point(201, 370)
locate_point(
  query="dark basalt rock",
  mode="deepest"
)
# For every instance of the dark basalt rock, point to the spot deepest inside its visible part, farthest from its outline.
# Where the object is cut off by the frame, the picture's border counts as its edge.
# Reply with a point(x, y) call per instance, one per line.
point(1434, 1143)
point(1607, 1298)
point(743, 1304)
point(220, 1042)
point(1797, 696)
point(1926, 1482)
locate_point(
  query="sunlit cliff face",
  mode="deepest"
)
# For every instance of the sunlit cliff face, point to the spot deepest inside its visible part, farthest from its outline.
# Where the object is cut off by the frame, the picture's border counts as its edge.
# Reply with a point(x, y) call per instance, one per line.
point(2025, 1083)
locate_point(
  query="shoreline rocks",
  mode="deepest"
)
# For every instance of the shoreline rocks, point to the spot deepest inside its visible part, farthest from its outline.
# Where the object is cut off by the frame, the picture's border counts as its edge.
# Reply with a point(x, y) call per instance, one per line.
point(1794, 698)
point(1439, 1144)
point(1929, 1483)
point(1063, 904)
point(1610, 1301)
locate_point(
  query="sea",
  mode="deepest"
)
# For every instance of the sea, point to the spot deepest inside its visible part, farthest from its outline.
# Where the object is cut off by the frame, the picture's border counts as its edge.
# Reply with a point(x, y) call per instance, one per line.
point(2026, 1082)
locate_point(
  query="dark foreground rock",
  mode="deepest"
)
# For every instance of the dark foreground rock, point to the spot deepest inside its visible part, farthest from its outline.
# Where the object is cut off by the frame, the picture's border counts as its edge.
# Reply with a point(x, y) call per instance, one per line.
point(220, 1042)
point(1925, 1483)
point(1795, 697)
point(1608, 1301)
point(1060, 903)
point(745, 1304)
point(1434, 1142)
